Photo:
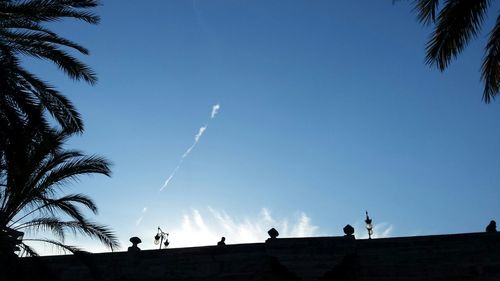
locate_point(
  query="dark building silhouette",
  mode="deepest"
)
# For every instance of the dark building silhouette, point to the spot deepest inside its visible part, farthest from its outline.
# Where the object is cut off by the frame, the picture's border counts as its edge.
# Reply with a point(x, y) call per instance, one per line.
point(474, 256)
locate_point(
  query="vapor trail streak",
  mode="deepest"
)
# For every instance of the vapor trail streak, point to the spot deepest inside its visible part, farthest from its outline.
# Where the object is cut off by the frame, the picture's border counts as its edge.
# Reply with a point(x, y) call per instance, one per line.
point(197, 137)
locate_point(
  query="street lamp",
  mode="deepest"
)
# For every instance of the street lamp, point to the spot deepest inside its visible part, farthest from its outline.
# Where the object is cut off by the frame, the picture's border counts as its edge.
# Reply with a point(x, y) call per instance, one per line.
point(160, 235)
point(369, 226)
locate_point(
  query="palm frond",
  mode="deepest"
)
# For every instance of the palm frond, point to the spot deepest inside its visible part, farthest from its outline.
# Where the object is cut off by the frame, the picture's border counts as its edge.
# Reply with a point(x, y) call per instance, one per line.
point(33, 168)
point(52, 10)
point(49, 161)
point(28, 251)
point(91, 229)
point(101, 232)
point(28, 37)
point(426, 10)
point(56, 104)
point(457, 23)
point(23, 32)
point(54, 206)
point(48, 206)
point(70, 171)
point(23, 24)
point(490, 73)
point(62, 246)
point(44, 224)
point(73, 67)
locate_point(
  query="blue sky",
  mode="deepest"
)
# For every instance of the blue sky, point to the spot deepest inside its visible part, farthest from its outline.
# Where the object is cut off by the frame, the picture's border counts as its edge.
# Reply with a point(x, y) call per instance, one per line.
point(327, 109)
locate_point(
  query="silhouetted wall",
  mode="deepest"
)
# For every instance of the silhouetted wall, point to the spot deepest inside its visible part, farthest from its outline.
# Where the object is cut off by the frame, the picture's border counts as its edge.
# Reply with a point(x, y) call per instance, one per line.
point(473, 256)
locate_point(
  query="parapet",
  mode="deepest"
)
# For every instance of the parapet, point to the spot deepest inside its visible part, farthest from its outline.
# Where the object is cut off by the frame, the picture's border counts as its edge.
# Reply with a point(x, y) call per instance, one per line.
point(473, 256)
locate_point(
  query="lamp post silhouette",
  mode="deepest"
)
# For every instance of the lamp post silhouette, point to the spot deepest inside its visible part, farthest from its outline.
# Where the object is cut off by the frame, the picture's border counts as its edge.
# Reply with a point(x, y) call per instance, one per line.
point(369, 225)
point(160, 235)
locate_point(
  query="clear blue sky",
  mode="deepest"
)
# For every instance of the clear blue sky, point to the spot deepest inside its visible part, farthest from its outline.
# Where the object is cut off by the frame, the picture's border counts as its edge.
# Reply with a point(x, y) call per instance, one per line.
point(326, 110)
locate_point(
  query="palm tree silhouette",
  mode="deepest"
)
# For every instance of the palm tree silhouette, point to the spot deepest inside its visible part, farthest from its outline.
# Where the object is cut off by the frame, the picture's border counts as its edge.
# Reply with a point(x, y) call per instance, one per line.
point(455, 24)
point(22, 33)
point(34, 168)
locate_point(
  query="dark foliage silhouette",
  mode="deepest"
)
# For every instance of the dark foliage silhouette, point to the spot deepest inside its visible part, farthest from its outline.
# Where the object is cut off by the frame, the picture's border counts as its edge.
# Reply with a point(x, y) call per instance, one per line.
point(33, 164)
point(23, 33)
point(455, 23)
point(34, 169)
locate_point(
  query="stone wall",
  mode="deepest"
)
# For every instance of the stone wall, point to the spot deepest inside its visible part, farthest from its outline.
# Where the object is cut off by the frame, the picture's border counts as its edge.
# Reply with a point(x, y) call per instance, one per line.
point(473, 256)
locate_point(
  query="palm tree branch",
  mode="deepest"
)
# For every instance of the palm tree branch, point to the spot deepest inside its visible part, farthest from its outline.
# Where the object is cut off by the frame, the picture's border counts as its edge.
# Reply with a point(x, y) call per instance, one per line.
point(64, 204)
point(21, 24)
point(457, 23)
point(74, 68)
point(426, 10)
point(43, 224)
point(91, 229)
point(28, 250)
point(65, 248)
point(52, 10)
point(58, 105)
point(30, 37)
point(490, 70)
point(52, 161)
point(71, 170)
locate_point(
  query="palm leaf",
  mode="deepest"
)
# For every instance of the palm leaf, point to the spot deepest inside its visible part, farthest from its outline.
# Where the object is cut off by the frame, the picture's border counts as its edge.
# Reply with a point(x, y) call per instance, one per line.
point(22, 33)
point(426, 10)
point(52, 10)
point(57, 244)
point(33, 169)
point(44, 224)
point(74, 68)
point(457, 23)
point(491, 68)
point(28, 251)
point(28, 37)
point(71, 170)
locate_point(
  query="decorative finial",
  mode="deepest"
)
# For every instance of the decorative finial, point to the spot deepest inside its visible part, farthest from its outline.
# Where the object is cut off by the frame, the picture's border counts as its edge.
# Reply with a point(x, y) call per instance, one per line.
point(348, 231)
point(273, 233)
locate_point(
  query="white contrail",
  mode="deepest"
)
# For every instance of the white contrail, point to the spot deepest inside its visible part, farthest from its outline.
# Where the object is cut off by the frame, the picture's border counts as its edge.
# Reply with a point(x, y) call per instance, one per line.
point(215, 110)
point(171, 176)
point(196, 140)
point(197, 137)
point(139, 220)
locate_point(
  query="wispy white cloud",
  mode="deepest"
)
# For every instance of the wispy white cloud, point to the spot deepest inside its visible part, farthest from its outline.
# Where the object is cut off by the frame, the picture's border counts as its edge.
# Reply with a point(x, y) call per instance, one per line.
point(202, 227)
point(304, 228)
point(215, 110)
point(199, 229)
